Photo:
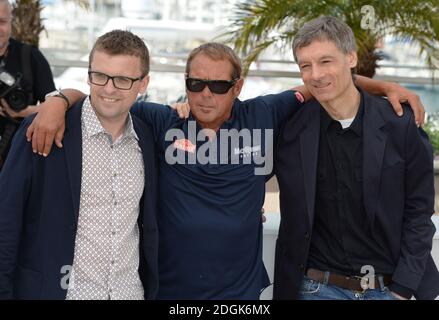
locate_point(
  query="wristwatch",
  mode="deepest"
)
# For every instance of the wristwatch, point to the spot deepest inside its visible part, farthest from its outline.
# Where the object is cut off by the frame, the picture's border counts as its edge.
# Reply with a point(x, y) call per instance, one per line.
point(58, 94)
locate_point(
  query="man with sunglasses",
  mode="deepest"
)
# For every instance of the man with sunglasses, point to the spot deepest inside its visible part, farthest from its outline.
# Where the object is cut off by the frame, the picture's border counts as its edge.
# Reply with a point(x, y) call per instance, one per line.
point(209, 212)
point(81, 224)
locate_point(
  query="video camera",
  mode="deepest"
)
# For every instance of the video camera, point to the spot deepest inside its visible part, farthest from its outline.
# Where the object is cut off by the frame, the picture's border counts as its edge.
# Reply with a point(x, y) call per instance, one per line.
point(12, 92)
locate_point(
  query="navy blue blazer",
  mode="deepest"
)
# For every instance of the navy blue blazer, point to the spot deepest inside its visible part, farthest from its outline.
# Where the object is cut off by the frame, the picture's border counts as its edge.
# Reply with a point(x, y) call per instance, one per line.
point(398, 194)
point(39, 207)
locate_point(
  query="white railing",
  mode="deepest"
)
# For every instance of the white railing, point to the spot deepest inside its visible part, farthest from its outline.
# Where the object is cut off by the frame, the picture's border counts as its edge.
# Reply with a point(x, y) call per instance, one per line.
point(175, 65)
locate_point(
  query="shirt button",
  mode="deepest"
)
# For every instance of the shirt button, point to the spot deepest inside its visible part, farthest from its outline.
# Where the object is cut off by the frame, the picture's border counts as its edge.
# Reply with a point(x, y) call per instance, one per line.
point(115, 203)
point(307, 236)
point(113, 233)
point(112, 261)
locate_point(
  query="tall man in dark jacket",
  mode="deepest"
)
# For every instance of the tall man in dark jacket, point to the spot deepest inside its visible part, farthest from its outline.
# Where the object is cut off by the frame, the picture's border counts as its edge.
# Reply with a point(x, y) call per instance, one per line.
point(356, 185)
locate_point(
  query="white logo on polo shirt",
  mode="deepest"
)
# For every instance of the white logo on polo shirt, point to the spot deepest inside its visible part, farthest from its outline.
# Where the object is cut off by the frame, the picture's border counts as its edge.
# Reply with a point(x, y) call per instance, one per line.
point(183, 150)
point(248, 151)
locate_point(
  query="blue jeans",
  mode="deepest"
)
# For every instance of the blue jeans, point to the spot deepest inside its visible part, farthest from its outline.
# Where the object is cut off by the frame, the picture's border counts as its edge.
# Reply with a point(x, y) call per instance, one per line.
point(314, 290)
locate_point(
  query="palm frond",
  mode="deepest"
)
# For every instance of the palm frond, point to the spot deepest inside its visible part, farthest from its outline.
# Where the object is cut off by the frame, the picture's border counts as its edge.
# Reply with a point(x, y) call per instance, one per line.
point(27, 23)
point(260, 24)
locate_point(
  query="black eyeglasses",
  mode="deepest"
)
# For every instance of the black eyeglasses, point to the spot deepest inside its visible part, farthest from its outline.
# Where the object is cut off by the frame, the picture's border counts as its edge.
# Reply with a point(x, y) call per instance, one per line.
point(215, 86)
point(119, 82)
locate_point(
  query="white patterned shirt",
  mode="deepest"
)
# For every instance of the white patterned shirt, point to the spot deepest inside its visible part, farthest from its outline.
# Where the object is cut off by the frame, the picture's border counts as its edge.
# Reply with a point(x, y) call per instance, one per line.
point(106, 258)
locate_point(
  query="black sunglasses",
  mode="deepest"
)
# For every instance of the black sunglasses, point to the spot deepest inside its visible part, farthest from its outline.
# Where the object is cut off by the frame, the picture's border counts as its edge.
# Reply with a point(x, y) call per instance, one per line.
point(215, 86)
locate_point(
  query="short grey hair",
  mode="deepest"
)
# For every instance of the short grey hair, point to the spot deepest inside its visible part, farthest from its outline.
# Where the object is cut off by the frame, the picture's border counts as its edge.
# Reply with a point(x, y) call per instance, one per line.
point(8, 4)
point(325, 28)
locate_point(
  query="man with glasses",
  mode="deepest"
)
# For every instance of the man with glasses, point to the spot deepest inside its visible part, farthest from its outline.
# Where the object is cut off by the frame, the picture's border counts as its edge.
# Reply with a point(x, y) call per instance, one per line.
point(119, 82)
point(81, 224)
point(211, 191)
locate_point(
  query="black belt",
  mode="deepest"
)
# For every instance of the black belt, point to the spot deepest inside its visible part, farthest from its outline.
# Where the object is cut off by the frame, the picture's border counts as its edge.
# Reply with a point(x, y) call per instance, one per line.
point(353, 283)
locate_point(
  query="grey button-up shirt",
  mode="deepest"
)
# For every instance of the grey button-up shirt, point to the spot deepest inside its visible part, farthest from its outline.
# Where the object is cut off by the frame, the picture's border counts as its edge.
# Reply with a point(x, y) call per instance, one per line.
point(106, 259)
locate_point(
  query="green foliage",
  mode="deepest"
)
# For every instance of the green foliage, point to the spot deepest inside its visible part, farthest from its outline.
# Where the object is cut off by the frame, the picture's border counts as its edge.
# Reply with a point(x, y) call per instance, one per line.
point(433, 134)
point(27, 23)
point(259, 24)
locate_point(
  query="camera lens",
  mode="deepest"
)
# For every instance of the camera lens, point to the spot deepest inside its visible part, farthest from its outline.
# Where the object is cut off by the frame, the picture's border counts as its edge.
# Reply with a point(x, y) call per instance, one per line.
point(17, 100)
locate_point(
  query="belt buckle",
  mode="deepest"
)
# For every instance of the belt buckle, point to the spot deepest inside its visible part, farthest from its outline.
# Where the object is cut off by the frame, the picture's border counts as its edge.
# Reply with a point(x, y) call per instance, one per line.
point(364, 283)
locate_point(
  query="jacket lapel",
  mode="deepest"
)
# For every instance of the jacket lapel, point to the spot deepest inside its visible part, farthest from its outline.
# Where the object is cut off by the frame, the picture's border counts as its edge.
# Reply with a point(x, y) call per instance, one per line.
point(374, 143)
point(146, 154)
point(309, 149)
point(73, 150)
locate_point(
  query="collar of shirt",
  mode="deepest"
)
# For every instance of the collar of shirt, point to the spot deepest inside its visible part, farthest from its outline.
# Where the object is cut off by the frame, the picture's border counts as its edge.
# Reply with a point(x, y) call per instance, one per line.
point(92, 126)
point(356, 126)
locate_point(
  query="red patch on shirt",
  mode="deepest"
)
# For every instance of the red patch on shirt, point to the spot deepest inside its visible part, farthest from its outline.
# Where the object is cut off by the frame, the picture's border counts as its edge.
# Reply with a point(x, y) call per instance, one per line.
point(185, 145)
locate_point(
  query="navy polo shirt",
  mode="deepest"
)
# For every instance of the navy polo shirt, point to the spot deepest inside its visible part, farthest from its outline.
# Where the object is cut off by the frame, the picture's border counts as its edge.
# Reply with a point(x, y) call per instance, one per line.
point(210, 227)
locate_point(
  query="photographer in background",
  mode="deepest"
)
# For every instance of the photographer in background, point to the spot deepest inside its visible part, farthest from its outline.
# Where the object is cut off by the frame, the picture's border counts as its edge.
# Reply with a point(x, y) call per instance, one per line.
point(25, 79)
